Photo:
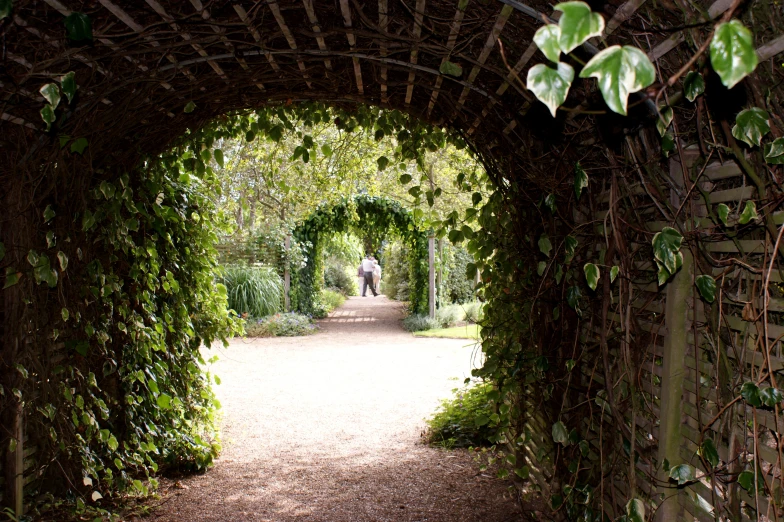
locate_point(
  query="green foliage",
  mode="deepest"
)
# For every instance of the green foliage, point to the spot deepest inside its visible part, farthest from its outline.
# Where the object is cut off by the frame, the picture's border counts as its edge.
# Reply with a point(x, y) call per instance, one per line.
point(289, 324)
point(451, 68)
point(751, 125)
point(774, 152)
point(732, 52)
point(253, 291)
point(330, 299)
point(420, 322)
point(577, 24)
point(749, 212)
point(591, 275)
point(707, 287)
point(448, 315)
point(341, 278)
point(709, 452)
point(580, 180)
point(549, 84)
point(394, 282)
point(465, 420)
point(693, 85)
point(78, 27)
point(620, 71)
point(666, 251)
point(472, 312)
point(6, 6)
point(682, 474)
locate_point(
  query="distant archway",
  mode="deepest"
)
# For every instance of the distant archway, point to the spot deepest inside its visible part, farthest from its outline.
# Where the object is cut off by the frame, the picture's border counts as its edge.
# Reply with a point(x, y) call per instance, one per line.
point(362, 211)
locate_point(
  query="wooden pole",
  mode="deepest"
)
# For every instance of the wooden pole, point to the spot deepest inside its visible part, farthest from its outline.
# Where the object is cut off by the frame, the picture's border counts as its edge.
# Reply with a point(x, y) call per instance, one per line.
point(287, 278)
point(431, 244)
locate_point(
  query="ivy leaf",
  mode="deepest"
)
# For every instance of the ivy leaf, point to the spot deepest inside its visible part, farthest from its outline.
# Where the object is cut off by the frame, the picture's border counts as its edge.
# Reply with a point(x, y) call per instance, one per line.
point(707, 286)
point(560, 434)
point(164, 401)
point(51, 93)
point(774, 153)
point(570, 245)
point(476, 198)
point(451, 68)
point(112, 443)
point(250, 136)
point(107, 189)
point(614, 273)
point(544, 245)
point(709, 452)
point(6, 7)
point(189, 107)
point(68, 84)
point(405, 179)
point(635, 510)
point(78, 27)
point(326, 150)
point(751, 393)
point(382, 162)
point(693, 85)
point(746, 480)
point(573, 296)
point(47, 114)
point(591, 275)
point(218, 154)
point(580, 180)
point(723, 212)
point(11, 277)
point(666, 248)
point(620, 71)
point(523, 472)
point(65, 314)
point(540, 268)
point(547, 39)
point(732, 52)
point(63, 260)
point(751, 125)
point(749, 212)
point(549, 85)
point(48, 213)
point(682, 474)
point(79, 145)
point(664, 121)
point(667, 144)
point(577, 24)
point(549, 202)
point(770, 396)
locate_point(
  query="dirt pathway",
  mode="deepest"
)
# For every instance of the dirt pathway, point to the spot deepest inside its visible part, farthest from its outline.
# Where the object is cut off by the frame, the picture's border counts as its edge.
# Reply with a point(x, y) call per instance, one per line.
point(326, 428)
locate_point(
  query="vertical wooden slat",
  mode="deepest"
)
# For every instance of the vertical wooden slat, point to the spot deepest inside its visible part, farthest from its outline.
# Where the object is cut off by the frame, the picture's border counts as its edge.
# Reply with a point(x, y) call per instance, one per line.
point(431, 294)
point(383, 23)
point(419, 16)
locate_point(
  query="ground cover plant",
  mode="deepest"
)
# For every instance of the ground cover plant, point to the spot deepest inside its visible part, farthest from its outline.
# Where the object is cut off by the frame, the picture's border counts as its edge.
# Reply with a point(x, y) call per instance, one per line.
point(290, 324)
point(469, 331)
point(465, 419)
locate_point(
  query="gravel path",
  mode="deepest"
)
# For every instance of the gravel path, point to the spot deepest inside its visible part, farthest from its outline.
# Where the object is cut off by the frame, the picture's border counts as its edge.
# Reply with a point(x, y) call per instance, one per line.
point(326, 428)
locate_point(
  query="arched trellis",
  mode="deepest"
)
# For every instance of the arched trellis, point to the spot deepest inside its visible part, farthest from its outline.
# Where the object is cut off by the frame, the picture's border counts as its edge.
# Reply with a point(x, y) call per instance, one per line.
point(158, 69)
point(362, 214)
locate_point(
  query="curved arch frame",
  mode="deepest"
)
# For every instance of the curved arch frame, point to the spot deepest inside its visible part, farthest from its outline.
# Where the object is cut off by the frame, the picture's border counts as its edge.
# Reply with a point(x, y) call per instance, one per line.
point(378, 212)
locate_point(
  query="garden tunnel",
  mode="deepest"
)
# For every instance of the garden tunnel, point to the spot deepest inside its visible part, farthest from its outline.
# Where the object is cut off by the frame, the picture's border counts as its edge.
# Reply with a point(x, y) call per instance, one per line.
point(363, 215)
point(631, 274)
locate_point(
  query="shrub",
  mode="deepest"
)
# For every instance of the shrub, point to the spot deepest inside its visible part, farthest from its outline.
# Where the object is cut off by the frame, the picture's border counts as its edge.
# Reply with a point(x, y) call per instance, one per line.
point(341, 277)
point(448, 315)
point(472, 311)
point(331, 299)
point(464, 420)
point(290, 324)
point(253, 290)
point(396, 267)
point(418, 323)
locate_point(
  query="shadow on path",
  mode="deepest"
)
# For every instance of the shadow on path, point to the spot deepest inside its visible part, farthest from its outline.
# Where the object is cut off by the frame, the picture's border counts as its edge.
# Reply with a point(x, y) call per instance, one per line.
point(326, 428)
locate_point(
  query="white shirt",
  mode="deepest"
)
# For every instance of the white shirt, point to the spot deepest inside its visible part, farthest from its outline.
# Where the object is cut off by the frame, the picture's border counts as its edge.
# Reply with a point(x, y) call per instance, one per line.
point(367, 266)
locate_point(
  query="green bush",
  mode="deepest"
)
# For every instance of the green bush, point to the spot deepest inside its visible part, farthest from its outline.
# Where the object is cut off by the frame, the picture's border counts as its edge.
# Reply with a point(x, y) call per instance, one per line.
point(289, 324)
point(331, 299)
point(418, 323)
point(472, 311)
point(464, 420)
point(394, 283)
point(456, 287)
point(255, 291)
point(342, 278)
point(446, 316)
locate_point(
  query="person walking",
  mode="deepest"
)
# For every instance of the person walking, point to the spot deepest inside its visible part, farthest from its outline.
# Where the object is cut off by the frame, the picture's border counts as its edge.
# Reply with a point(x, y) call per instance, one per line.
point(360, 279)
point(367, 269)
point(377, 276)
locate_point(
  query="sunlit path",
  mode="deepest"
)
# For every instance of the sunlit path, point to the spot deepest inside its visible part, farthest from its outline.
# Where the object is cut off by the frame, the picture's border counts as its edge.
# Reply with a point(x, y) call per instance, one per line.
point(326, 428)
